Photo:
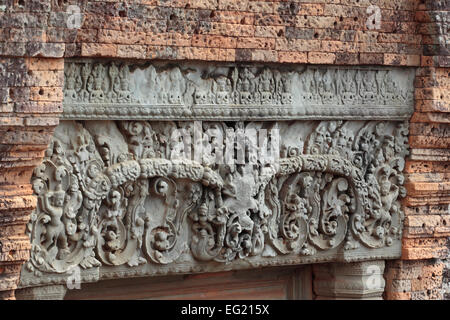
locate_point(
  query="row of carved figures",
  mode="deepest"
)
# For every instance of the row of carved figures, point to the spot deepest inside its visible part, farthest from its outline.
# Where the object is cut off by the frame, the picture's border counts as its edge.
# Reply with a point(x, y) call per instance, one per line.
point(114, 83)
point(118, 198)
point(352, 86)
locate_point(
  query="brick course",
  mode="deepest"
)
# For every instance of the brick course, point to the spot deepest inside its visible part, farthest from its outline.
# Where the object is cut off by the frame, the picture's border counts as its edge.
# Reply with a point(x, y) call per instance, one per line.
point(425, 252)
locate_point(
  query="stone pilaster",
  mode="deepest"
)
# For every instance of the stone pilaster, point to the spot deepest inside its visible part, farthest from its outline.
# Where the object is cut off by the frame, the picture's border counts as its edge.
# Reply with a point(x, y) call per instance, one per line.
point(349, 281)
point(52, 292)
point(30, 96)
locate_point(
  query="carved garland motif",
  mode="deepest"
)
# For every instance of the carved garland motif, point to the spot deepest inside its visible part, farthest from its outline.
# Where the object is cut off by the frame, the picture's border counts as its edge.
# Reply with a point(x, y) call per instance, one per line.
point(114, 196)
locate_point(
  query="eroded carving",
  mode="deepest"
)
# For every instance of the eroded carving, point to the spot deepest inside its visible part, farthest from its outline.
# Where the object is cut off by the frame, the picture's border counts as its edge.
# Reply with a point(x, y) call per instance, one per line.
point(111, 194)
point(112, 90)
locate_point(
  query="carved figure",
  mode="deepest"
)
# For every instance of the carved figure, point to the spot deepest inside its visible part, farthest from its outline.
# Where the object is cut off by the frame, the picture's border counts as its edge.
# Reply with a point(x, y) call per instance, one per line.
point(53, 205)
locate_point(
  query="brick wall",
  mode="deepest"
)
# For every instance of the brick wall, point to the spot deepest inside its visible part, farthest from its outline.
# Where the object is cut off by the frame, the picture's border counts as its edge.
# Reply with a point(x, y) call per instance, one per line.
point(31, 91)
point(424, 269)
point(35, 36)
point(309, 31)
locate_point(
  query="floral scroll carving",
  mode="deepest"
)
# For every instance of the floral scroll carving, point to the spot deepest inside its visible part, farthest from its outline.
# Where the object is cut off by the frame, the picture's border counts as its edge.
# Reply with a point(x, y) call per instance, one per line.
point(111, 194)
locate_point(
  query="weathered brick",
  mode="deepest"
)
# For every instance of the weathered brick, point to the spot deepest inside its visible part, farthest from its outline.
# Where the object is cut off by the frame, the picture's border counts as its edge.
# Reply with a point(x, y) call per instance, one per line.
point(98, 50)
point(321, 58)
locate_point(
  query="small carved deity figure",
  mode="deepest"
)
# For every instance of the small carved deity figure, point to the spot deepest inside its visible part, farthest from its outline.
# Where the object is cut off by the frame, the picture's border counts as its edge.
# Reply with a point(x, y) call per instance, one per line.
point(388, 194)
point(53, 205)
point(115, 83)
point(245, 85)
point(176, 80)
point(202, 226)
point(148, 142)
point(364, 143)
point(266, 81)
point(84, 149)
point(266, 86)
point(86, 93)
point(123, 93)
point(309, 92)
point(348, 87)
point(200, 96)
point(115, 209)
point(316, 79)
point(297, 204)
point(98, 74)
point(162, 242)
point(112, 241)
point(342, 142)
point(322, 137)
point(111, 230)
point(286, 95)
point(321, 141)
point(388, 191)
point(245, 80)
point(379, 158)
point(223, 90)
point(72, 82)
point(115, 89)
point(307, 183)
point(306, 88)
point(391, 90)
point(388, 147)
point(111, 226)
point(369, 87)
point(297, 208)
point(73, 201)
point(85, 75)
point(369, 147)
point(327, 87)
point(232, 237)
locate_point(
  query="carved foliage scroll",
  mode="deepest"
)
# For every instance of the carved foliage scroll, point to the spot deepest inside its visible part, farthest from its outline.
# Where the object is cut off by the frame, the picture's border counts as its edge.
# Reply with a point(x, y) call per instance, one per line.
point(110, 194)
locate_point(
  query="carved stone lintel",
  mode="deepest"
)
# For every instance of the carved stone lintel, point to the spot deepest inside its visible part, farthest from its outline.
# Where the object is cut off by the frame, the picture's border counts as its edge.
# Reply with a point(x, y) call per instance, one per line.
point(124, 194)
point(348, 281)
point(50, 292)
point(111, 90)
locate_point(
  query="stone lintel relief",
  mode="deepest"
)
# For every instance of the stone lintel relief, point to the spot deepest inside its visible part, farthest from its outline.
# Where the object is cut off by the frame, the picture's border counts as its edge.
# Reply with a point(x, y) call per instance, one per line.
point(114, 200)
point(133, 91)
